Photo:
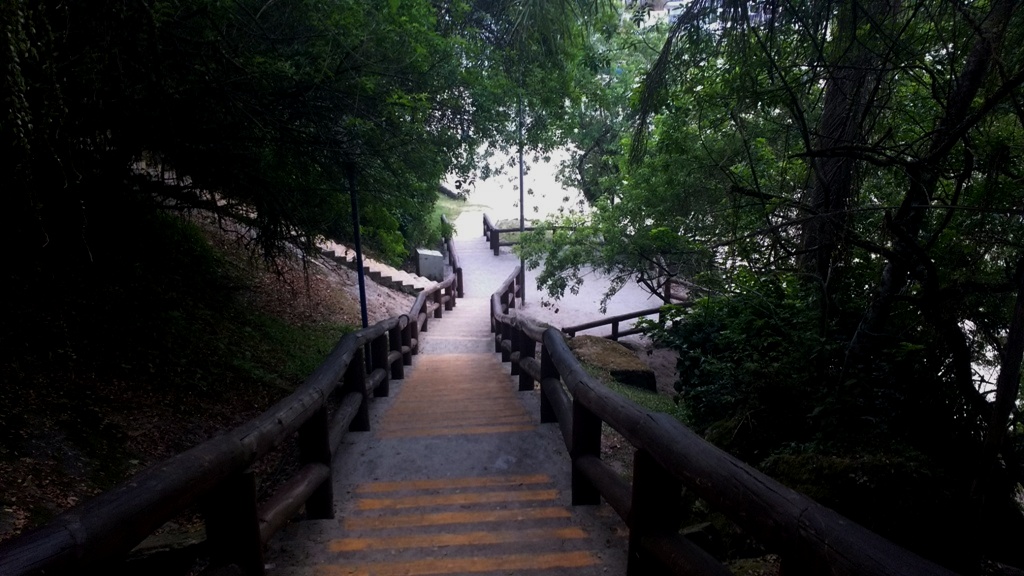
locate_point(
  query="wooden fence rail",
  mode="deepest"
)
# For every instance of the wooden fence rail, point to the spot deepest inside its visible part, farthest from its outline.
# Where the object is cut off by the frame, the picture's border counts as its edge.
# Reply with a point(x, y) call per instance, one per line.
point(809, 538)
point(493, 234)
point(615, 321)
point(216, 475)
point(453, 258)
point(665, 288)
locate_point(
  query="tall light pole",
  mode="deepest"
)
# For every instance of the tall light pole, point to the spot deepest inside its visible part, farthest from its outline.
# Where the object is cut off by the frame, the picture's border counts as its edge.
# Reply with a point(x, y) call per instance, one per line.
point(350, 170)
point(522, 197)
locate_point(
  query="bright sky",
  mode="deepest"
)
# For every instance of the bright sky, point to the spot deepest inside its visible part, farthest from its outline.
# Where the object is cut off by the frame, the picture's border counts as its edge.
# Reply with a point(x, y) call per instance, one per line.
point(501, 193)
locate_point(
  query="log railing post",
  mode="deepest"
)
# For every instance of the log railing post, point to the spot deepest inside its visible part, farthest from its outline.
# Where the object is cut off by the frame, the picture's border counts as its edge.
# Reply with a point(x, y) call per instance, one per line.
point(407, 335)
point(379, 356)
point(494, 241)
point(657, 509)
point(395, 344)
point(586, 441)
point(315, 447)
point(449, 291)
point(415, 333)
point(548, 374)
point(491, 315)
point(506, 334)
point(439, 301)
point(355, 382)
point(458, 278)
point(515, 335)
point(232, 524)
point(499, 328)
point(527, 349)
point(615, 330)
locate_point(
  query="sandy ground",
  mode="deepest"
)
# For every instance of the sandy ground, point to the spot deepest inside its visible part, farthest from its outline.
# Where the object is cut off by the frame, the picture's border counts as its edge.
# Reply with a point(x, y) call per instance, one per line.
point(485, 269)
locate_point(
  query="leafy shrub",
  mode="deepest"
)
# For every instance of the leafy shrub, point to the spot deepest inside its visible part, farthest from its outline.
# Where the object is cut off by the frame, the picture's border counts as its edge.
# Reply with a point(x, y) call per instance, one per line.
point(746, 360)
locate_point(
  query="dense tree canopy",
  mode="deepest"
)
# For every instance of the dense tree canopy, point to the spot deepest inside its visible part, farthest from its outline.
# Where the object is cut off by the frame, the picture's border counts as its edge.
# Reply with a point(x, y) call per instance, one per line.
point(127, 332)
point(839, 184)
point(260, 108)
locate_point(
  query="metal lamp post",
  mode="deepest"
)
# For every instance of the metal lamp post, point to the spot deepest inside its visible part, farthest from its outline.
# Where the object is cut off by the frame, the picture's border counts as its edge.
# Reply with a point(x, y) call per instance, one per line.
point(522, 197)
point(350, 170)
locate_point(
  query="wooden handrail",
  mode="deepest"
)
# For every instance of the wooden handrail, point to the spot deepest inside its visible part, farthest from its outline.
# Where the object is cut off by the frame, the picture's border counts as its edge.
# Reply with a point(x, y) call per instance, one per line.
point(214, 475)
point(453, 259)
point(493, 234)
point(488, 226)
point(510, 230)
point(810, 538)
point(615, 321)
point(572, 330)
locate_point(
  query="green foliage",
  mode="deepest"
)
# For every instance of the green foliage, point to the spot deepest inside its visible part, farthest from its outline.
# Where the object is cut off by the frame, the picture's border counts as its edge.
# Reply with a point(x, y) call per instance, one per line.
point(156, 342)
point(836, 184)
point(276, 352)
point(646, 399)
point(747, 364)
point(607, 71)
point(166, 305)
point(757, 378)
point(259, 109)
point(869, 486)
point(451, 209)
point(652, 401)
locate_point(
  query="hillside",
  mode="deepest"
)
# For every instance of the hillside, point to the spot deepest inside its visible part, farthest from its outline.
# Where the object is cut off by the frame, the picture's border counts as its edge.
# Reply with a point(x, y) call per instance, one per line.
point(151, 347)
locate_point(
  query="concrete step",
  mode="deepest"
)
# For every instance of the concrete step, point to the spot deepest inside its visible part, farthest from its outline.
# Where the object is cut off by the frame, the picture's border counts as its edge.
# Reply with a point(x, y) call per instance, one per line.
point(453, 485)
point(377, 271)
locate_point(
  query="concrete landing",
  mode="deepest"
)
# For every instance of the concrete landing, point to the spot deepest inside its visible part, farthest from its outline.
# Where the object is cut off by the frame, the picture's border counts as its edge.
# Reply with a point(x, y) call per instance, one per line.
point(456, 476)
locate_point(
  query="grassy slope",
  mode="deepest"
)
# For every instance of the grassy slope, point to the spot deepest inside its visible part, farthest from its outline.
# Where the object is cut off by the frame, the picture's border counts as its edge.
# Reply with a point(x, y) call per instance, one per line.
point(452, 208)
point(160, 341)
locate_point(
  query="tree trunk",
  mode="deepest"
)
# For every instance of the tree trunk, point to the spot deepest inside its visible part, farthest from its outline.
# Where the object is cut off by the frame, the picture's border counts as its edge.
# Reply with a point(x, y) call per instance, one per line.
point(1008, 381)
point(849, 93)
point(923, 177)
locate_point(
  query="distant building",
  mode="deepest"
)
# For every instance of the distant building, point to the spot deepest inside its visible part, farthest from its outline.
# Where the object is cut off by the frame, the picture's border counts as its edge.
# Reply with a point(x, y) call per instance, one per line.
point(659, 9)
point(758, 12)
point(674, 9)
point(652, 4)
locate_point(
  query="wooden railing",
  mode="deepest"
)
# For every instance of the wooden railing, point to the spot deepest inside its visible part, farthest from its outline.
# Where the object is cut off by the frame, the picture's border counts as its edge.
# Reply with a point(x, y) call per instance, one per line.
point(665, 290)
point(216, 476)
point(809, 538)
point(615, 321)
point(493, 235)
point(453, 259)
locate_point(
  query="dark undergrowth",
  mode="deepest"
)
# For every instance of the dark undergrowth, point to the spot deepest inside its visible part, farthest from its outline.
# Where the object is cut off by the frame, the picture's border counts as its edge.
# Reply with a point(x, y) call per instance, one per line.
point(143, 343)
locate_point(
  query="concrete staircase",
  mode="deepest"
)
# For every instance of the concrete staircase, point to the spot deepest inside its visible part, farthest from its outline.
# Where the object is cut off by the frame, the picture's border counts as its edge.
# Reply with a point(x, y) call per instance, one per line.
point(377, 271)
point(456, 477)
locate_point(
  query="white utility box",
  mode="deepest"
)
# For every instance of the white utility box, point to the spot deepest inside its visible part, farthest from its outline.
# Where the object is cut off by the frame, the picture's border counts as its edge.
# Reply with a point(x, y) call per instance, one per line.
point(430, 264)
